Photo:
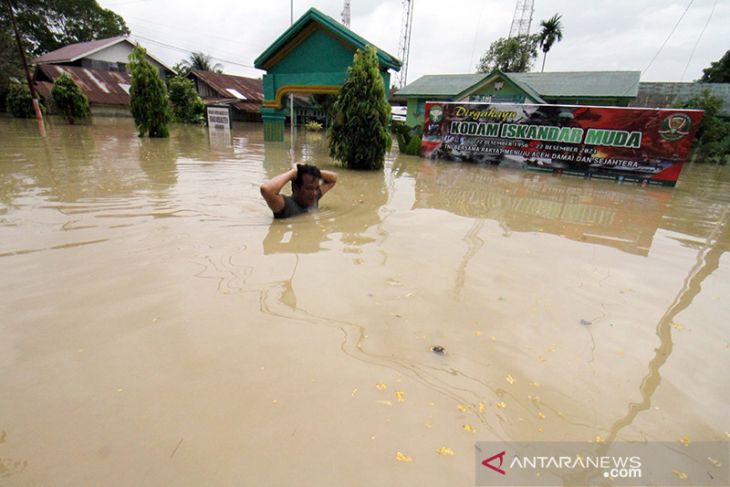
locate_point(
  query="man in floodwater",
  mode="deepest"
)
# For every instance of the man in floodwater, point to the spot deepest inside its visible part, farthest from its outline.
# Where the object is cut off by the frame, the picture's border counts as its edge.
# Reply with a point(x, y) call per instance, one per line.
point(308, 183)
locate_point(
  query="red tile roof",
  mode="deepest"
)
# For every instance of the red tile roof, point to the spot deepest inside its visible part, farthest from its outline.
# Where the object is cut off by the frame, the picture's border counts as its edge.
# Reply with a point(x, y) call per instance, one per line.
point(101, 87)
point(252, 89)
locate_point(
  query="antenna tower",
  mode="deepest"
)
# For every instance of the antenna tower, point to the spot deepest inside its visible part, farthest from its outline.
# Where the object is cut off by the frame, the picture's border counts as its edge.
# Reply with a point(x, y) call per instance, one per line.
point(522, 18)
point(404, 42)
point(346, 14)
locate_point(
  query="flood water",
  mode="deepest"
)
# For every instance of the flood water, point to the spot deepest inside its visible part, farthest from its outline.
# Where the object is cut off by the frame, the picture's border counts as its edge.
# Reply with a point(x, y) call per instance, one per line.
point(157, 327)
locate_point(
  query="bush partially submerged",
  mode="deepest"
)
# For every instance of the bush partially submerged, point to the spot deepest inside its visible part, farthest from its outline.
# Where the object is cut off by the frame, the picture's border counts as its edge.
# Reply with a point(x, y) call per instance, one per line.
point(69, 100)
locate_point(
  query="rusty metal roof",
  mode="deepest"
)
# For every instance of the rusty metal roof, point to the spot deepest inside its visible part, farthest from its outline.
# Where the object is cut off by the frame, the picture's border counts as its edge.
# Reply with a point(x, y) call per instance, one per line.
point(74, 52)
point(231, 88)
point(101, 87)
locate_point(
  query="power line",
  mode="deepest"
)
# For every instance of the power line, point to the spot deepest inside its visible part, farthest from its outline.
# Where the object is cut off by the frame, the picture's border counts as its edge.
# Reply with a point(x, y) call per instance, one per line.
point(188, 51)
point(178, 29)
point(668, 37)
point(698, 40)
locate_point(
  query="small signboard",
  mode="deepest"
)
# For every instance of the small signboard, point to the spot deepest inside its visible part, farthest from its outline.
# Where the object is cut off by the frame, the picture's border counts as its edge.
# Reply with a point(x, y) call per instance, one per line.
point(639, 144)
point(219, 118)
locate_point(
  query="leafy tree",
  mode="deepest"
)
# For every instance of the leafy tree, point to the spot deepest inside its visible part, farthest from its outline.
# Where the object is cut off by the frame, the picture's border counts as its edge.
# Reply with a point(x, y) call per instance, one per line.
point(199, 61)
point(358, 135)
point(187, 106)
point(50, 24)
point(19, 102)
point(512, 55)
point(10, 66)
point(69, 100)
point(712, 141)
point(719, 71)
point(552, 32)
point(148, 96)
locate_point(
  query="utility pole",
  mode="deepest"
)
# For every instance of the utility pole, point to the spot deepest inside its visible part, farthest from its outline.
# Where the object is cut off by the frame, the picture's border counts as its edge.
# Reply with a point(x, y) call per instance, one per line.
point(33, 94)
point(291, 95)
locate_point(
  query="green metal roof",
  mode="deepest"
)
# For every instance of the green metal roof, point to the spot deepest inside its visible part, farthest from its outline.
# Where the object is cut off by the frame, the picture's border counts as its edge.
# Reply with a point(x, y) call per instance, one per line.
point(582, 83)
point(441, 84)
point(313, 15)
point(536, 85)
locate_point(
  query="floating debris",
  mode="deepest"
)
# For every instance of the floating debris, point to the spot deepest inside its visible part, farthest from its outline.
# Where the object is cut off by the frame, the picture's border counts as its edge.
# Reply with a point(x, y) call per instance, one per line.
point(385, 402)
point(679, 474)
point(598, 439)
point(478, 333)
point(535, 384)
point(502, 405)
point(493, 338)
point(715, 462)
point(482, 407)
point(541, 415)
point(400, 396)
point(354, 392)
point(275, 401)
point(586, 322)
point(402, 457)
point(684, 440)
point(381, 386)
point(677, 326)
point(438, 349)
point(461, 408)
point(510, 379)
point(445, 451)
point(469, 428)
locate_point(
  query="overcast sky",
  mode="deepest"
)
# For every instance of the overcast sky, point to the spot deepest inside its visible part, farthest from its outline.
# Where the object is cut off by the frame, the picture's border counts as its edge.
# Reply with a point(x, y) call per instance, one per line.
point(449, 36)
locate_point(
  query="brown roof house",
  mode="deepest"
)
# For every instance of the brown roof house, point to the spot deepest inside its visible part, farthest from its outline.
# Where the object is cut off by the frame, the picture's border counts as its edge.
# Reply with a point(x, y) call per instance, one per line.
point(98, 68)
point(243, 95)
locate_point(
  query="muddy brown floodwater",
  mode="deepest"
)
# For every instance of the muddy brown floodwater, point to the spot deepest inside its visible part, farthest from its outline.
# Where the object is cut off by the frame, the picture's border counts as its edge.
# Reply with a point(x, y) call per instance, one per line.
point(159, 328)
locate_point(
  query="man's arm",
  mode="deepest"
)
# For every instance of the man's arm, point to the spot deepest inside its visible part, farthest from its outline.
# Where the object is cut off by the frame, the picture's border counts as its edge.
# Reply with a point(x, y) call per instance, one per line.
point(329, 179)
point(270, 189)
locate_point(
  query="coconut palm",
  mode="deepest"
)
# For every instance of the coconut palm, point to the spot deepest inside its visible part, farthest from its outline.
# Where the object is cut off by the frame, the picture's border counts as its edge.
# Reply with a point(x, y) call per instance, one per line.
point(202, 62)
point(552, 32)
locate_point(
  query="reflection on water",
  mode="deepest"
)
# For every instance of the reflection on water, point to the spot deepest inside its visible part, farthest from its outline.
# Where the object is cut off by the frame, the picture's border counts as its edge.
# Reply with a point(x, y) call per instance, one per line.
point(156, 314)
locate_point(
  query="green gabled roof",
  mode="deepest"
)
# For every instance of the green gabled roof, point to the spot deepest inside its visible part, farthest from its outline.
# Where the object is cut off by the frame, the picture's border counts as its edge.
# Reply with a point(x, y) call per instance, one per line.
point(582, 83)
point(313, 15)
point(441, 84)
point(497, 73)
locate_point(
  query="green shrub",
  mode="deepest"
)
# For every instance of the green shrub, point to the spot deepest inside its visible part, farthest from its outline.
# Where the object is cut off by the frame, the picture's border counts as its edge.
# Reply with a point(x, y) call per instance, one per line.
point(408, 138)
point(313, 126)
point(359, 134)
point(148, 97)
point(712, 141)
point(69, 100)
point(19, 102)
point(187, 106)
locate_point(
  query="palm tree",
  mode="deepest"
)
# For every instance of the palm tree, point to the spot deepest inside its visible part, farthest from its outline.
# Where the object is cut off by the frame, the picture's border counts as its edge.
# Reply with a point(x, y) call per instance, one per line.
point(552, 31)
point(202, 62)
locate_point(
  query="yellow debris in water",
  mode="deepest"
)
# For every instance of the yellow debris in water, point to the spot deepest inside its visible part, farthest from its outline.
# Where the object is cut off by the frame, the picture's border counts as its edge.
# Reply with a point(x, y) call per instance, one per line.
point(510, 379)
point(598, 439)
point(493, 338)
point(274, 401)
point(428, 424)
point(715, 462)
point(478, 333)
point(446, 451)
point(461, 408)
point(679, 474)
point(354, 392)
point(534, 384)
point(540, 358)
point(684, 440)
point(402, 457)
point(469, 428)
point(482, 407)
point(552, 348)
point(381, 386)
point(385, 403)
point(678, 326)
point(501, 405)
point(400, 396)
point(541, 415)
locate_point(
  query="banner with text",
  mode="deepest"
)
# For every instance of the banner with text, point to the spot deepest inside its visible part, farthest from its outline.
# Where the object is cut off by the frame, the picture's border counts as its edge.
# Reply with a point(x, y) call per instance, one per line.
point(639, 144)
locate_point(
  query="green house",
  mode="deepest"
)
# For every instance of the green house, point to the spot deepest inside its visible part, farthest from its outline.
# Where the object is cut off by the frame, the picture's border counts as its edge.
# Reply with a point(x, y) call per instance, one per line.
point(606, 88)
point(310, 57)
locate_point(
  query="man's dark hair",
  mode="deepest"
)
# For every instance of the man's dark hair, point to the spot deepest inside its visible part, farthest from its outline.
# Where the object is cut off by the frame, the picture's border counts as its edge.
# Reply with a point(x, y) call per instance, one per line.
point(303, 169)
